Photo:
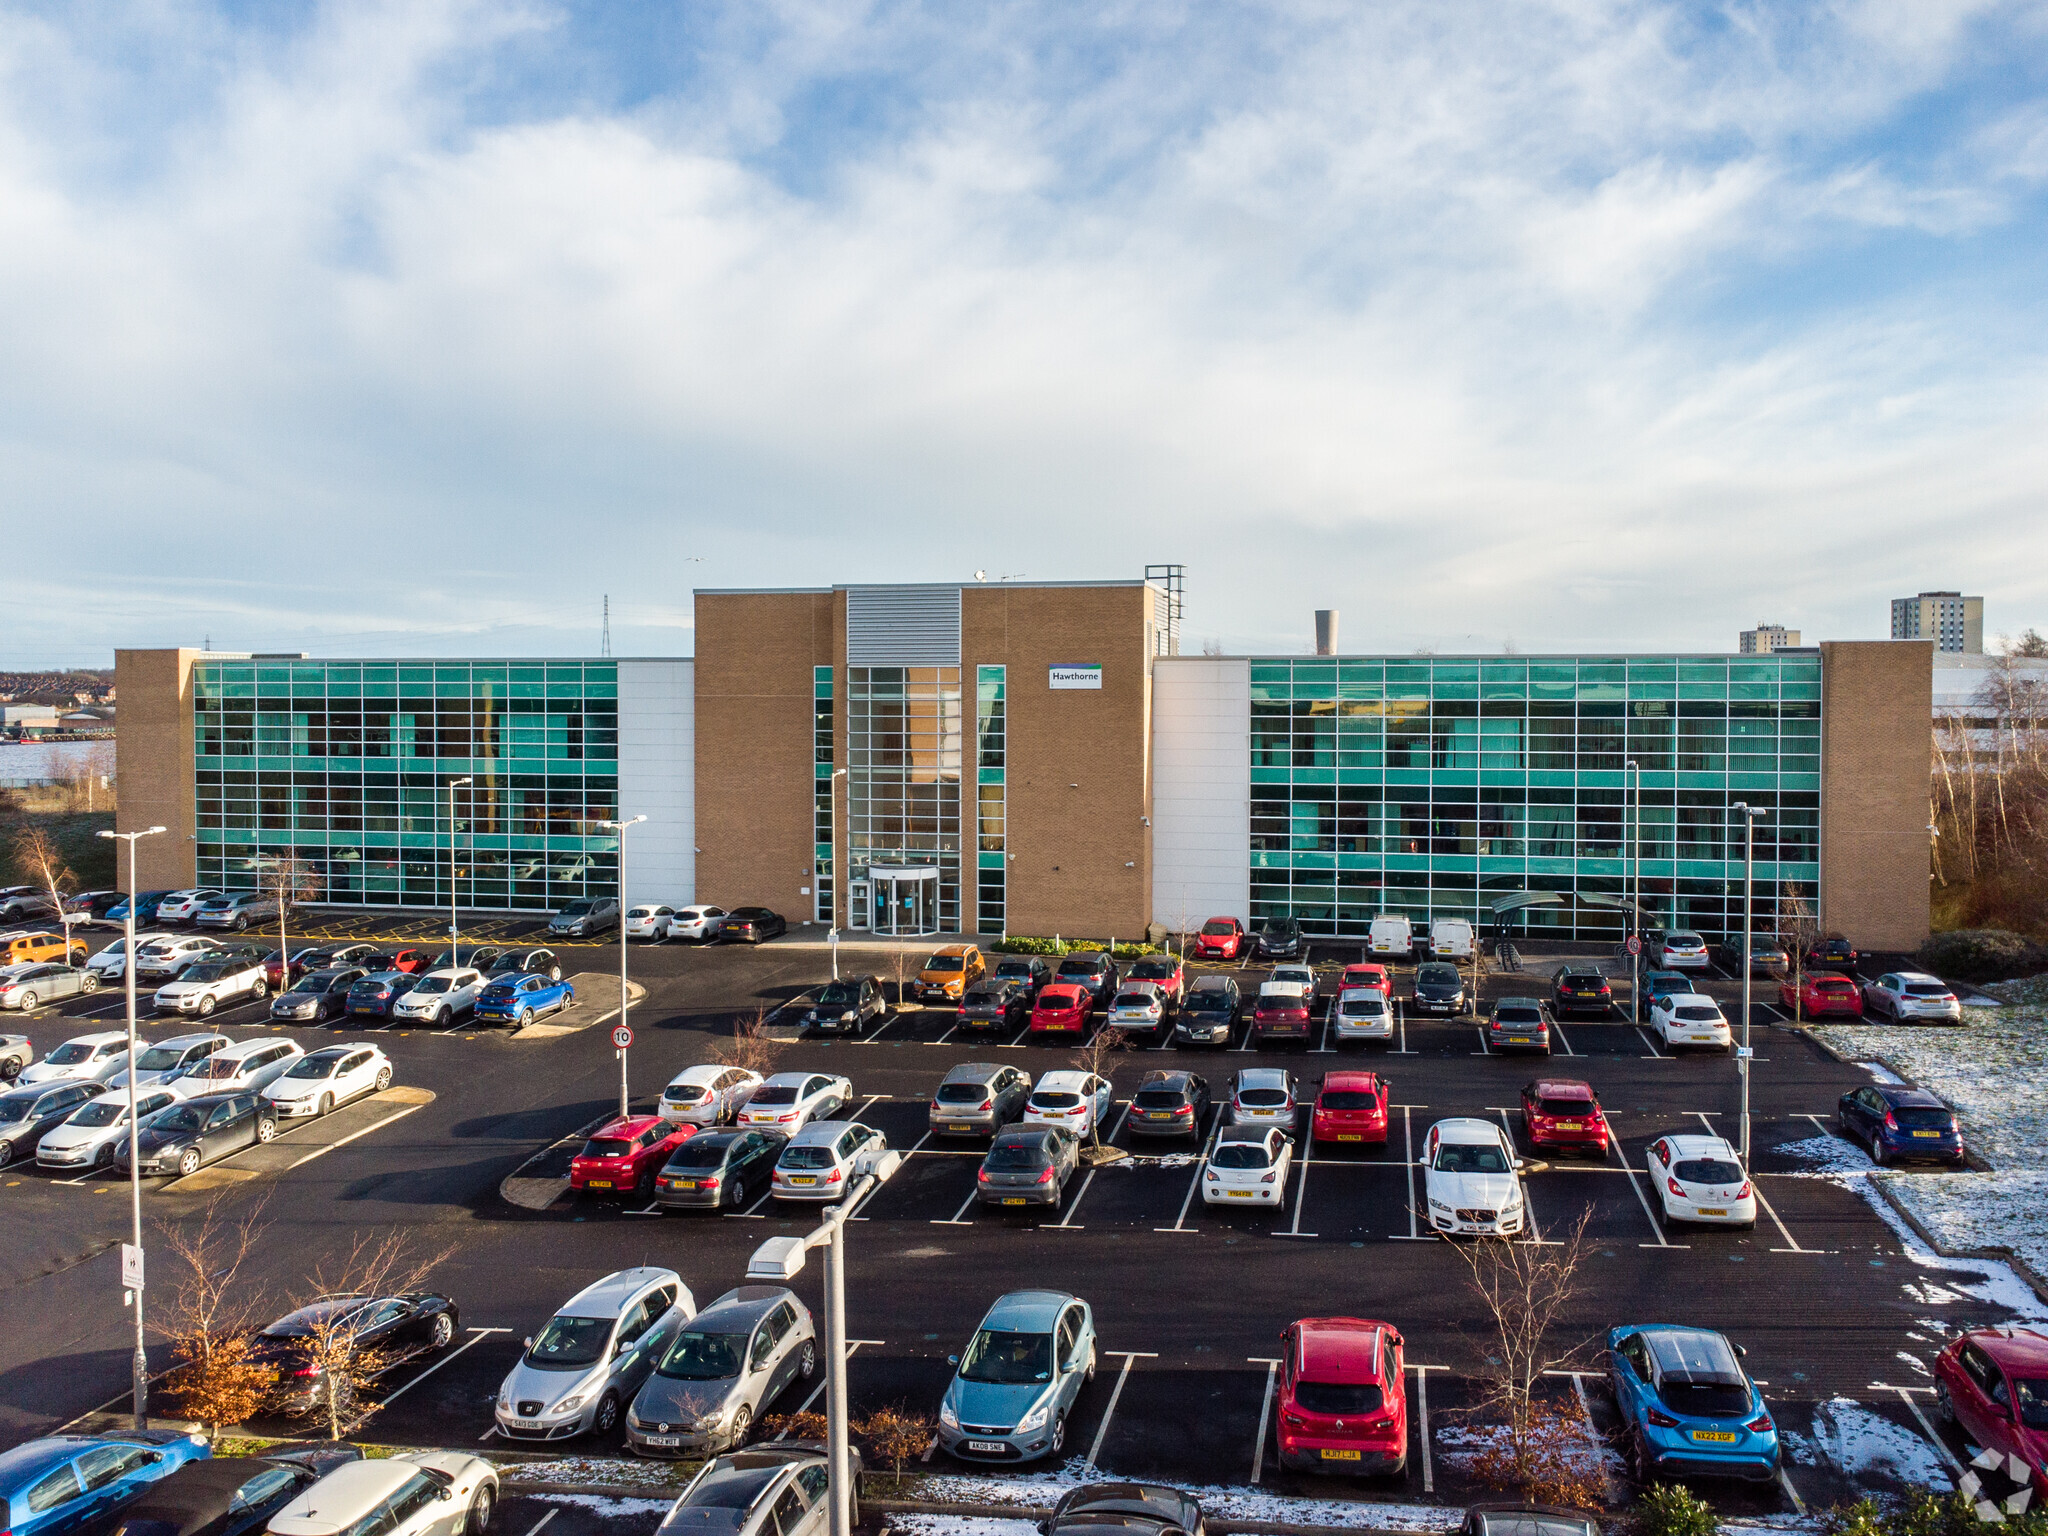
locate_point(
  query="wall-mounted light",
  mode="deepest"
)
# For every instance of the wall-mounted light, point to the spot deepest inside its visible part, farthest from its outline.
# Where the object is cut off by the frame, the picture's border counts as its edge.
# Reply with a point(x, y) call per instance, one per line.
point(1129, 865)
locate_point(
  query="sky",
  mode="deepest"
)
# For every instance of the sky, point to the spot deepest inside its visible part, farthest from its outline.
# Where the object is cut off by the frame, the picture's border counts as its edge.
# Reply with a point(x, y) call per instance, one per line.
point(421, 328)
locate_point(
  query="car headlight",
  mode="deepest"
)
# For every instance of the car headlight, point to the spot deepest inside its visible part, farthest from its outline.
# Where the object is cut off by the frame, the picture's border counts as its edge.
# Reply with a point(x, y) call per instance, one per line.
point(1437, 1205)
point(846, 1018)
point(570, 1404)
point(947, 1416)
point(1514, 1202)
point(1035, 1419)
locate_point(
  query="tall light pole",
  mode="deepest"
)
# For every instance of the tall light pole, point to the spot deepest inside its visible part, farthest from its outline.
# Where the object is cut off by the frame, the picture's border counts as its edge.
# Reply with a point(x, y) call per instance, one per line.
point(1750, 813)
point(839, 885)
point(1635, 889)
point(141, 1360)
point(454, 950)
point(620, 828)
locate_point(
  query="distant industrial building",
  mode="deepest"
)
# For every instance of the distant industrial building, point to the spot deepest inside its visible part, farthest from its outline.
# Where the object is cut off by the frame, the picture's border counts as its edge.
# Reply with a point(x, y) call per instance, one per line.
point(1766, 638)
point(1952, 621)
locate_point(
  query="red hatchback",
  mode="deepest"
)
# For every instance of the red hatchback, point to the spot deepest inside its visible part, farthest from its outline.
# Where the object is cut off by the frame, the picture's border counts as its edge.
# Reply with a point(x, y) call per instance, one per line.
point(1821, 995)
point(627, 1154)
point(1221, 938)
point(1061, 1006)
point(1993, 1382)
point(1564, 1113)
point(1343, 1399)
point(1352, 1107)
point(1366, 974)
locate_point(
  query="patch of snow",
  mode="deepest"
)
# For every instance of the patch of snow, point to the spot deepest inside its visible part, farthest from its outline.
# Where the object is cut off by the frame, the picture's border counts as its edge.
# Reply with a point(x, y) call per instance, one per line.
point(1880, 1073)
point(608, 1509)
point(1828, 1154)
point(1913, 1360)
point(1863, 1443)
point(593, 1470)
point(1981, 1210)
point(1041, 1490)
point(1984, 1280)
point(958, 1525)
point(1927, 1292)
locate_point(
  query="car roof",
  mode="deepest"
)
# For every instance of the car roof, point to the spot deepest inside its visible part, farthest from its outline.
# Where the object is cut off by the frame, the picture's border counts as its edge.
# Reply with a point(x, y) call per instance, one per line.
point(702, 1073)
point(609, 1296)
point(1165, 1077)
point(1561, 1088)
point(740, 1308)
point(954, 949)
point(1465, 1129)
point(1691, 997)
point(1093, 959)
point(632, 1125)
point(1906, 1096)
point(1020, 1134)
point(2011, 1345)
point(234, 1050)
point(1366, 965)
point(1918, 976)
point(1700, 1146)
point(1518, 1002)
point(35, 1457)
point(1263, 1077)
point(792, 1079)
point(101, 1037)
point(342, 1497)
point(1063, 1079)
point(1341, 1348)
point(1212, 983)
point(1140, 984)
point(1258, 1133)
point(1352, 1080)
point(972, 1072)
point(1058, 990)
point(821, 1133)
point(1022, 1311)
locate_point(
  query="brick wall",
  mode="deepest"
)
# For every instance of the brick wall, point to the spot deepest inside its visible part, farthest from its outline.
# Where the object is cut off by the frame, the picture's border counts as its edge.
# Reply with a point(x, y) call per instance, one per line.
point(153, 767)
point(1876, 747)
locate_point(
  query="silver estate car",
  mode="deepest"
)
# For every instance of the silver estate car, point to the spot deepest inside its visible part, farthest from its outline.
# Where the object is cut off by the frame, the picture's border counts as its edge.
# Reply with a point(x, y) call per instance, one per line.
point(772, 1490)
point(723, 1372)
point(581, 1369)
point(978, 1098)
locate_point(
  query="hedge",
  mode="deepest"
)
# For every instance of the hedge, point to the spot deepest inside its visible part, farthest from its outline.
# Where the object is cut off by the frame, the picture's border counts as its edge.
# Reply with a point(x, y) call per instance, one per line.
point(1983, 954)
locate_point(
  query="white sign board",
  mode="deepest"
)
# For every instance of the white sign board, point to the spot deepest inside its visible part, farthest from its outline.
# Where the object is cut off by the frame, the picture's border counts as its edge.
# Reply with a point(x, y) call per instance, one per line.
point(131, 1267)
point(1075, 675)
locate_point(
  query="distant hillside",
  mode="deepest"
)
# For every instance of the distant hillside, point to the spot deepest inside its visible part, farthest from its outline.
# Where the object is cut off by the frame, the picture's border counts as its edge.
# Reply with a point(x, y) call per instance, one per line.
point(81, 686)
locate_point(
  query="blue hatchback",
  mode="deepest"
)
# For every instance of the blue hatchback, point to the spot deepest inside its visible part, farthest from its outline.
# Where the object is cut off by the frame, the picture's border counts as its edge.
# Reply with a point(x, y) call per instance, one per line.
point(522, 998)
point(1901, 1124)
point(1017, 1382)
point(63, 1482)
point(145, 908)
point(1691, 1409)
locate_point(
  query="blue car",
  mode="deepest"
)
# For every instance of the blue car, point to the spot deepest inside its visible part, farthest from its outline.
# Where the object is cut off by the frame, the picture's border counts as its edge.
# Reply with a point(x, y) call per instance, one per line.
point(1901, 1124)
point(61, 1483)
point(373, 996)
point(1691, 1409)
point(1014, 1387)
point(145, 908)
point(520, 998)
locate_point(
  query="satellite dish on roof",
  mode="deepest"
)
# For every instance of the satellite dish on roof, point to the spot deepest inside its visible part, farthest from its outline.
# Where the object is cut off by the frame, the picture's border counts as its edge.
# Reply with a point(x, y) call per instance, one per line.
point(981, 575)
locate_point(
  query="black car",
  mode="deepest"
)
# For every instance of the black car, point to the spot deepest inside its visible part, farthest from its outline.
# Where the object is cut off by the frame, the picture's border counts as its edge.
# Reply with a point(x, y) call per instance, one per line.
point(1126, 1509)
point(1439, 988)
point(1032, 972)
point(847, 1005)
point(995, 1002)
point(533, 962)
point(26, 1113)
point(397, 1328)
point(332, 957)
point(179, 1139)
point(1093, 969)
point(316, 996)
point(1282, 939)
point(477, 957)
point(228, 1495)
point(721, 1169)
point(1833, 953)
point(1208, 1014)
point(750, 925)
point(1580, 988)
point(1169, 1104)
point(93, 906)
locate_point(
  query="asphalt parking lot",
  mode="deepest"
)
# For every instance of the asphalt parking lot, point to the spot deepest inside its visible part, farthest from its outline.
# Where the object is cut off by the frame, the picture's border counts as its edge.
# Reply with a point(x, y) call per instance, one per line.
point(1189, 1300)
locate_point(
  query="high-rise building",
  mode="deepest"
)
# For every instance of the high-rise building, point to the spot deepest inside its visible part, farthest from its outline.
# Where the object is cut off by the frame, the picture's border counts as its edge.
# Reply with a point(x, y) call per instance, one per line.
point(1766, 638)
point(1952, 621)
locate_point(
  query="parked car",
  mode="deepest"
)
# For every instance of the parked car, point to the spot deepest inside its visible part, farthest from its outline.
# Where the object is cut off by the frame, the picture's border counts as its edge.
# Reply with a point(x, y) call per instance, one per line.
point(519, 997)
point(112, 962)
point(231, 1496)
point(1767, 957)
point(440, 997)
point(1910, 996)
point(750, 925)
point(1688, 1408)
point(1390, 936)
point(1658, 984)
point(847, 1005)
point(826, 1158)
point(1342, 1398)
point(523, 961)
point(97, 1056)
point(1833, 953)
point(320, 1080)
point(1208, 1014)
point(1519, 1023)
point(167, 1061)
point(1031, 972)
point(1699, 1178)
point(145, 904)
point(1079, 1102)
point(243, 1066)
point(237, 910)
point(1163, 971)
point(1169, 1103)
point(1691, 1019)
point(1016, 1381)
point(946, 975)
point(1221, 938)
point(1821, 995)
point(1092, 970)
point(214, 980)
point(1362, 1013)
point(30, 986)
point(1298, 973)
point(578, 1373)
point(717, 1169)
point(407, 960)
point(1351, 1107)
point(167, 959)
point(649, 920)
point(585, 917)
point(1263, 1096)
point(408, 1494)
point(1581, 989)
point(31, 948)
point(1366, 973)
point(64, 1483)
point(710, 1094)
point(760, 1492)
point(1130, 1509)
point(391, 1329)
point(1281, 1012)
point(473, 957)
point(30, 1112)
point(1527, 1520)
point(1281, 938)
point(1248, 1164)
point(183, 906)
point(1139, 1008)
point(1439, 988)
point(1471, 1179)
point(699, 922)
point(1062, 1007)
point(1901, 1124)
point(1563, 1114)
point(722, 1372)
point(374, 996)
point(94, 906)
point(86, 1137)
point(995, 1002)
point(624, 1156)
point(16, 1052)
point(26, 903)
point(1675, 949)
point(978, 1098)
point(788, 1101)
point(316, 997)
point(201, 1130)
point(1451, 938)
point(1028, 1165)
point(318, 957)
point(1992, 1385)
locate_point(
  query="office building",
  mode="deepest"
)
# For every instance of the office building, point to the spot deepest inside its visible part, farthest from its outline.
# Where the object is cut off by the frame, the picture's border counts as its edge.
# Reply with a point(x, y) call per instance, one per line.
point(1952, 621)
point(1766, 638)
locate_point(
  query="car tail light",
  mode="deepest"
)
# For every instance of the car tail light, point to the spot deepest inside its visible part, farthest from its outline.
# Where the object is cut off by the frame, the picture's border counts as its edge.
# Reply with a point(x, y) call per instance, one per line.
point(1213, 1176)
point(1890, 1121)
point(707, 1183)
point(307, 1370)
point(1759, 1425)
point(1267, 1179)
point(1675, 1187)
point(1661, 1419)
point(982, 1175)
point(1045, 1177)
point(1743, 1193)
point(1185, 1109)
point(834, 1177)
point(986, 1104)
point(780, 1118)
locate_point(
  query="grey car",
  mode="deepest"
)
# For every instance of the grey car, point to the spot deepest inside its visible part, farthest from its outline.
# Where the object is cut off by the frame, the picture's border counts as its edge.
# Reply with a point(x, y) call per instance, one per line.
point(1439, 988)
point(585, 916)
point(26, 1113)
point(593, 1355)
point(774, 1490)
point(237, 911)
point(847, 1005)
point(1208, 1013)
point(16, 1052)
point(33, 985)
point(1028, 1165)
point(723, 1372)
point(978, 1098)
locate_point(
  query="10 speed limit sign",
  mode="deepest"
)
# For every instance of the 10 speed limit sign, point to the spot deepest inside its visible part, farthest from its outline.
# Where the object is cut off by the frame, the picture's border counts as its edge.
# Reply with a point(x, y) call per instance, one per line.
point(622, 1037)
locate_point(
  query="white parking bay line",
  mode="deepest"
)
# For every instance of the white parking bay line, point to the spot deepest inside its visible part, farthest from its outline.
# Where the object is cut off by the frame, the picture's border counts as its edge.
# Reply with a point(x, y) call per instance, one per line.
point(1265, 1415)
point(1940, 1445)
point(1066, 1221)
point(1201, 1165)
point(1785, 1482)
point(1401, 1023)
point(1308, 1149)
point(544, 1519)
point(1655, 1227)
point(1102, 1432)
point(478, 1335)
point(972, 1195)
point(354, 1135)
point(1422, 1421)
point(1557, 1029)
point(1647, 1041)
point(1408, 1135)
point(824, 1380)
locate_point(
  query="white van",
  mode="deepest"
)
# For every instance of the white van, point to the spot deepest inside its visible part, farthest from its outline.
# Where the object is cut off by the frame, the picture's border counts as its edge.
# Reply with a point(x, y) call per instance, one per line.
point(1450, 938)
point(1390, 936)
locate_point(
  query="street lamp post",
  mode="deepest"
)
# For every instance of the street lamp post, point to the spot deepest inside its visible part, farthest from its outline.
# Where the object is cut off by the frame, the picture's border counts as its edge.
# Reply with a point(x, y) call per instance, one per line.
point(620, 828)
point(838, 869)
point(1743, 1058)
point(141, 1360)
point(454, 950)
point(1635, 889)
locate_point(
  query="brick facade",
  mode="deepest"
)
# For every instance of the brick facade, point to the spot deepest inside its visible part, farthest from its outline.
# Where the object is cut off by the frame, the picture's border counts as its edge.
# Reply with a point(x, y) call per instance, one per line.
point(153, 764)
point(1876, 710)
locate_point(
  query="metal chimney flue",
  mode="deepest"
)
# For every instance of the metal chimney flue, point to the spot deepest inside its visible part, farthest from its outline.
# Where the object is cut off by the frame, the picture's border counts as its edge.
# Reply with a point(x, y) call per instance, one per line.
point(1326, 631)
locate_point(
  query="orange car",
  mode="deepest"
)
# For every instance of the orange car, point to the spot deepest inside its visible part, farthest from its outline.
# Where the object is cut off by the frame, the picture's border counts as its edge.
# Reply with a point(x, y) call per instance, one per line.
point(946, 977)
point(24, 948)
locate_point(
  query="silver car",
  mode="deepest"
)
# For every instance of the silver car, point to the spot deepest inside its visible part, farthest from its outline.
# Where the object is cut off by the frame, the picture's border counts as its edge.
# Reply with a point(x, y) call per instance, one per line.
point(1903, 995)
point(1263, 1096)
point(593, 1355)
point(243, 1067)
point(30, 986)
point(978, 1098)
point(825, 1159)
point(439, 996)
point(1362, 1014)
point(97, 1056)
point(89, 1137)
point(711, 1094)
point(169, 1060)
point(723, 1372)
point(772, 1490)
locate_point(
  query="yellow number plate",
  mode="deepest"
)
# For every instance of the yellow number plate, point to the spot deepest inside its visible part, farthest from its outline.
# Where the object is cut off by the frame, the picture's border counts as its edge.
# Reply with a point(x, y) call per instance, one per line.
point(682, 1184)
point(1013, 1199)
point(1330, 1455)
point(1716, 1436)
point(1927, 1133)
point(802, 1179)
point(959, 1127)
point(1348, 1137)
point(1713, 1210)
point(1571, 1125)
point(600, 1183)
point(1239, 1194)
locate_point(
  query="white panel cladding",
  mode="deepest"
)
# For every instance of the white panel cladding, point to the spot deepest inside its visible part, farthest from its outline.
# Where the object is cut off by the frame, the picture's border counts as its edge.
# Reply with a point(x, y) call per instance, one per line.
point(657, 778)
point(911, 626)
point(1201, 789)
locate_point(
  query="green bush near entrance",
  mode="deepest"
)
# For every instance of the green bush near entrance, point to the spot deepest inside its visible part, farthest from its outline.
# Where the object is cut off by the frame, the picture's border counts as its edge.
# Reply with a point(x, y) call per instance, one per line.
point(1021, 944)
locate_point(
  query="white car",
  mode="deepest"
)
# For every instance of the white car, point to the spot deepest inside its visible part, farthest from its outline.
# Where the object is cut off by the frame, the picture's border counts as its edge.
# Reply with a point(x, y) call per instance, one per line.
point(695, 922)
point(96, 1057)
point(247, 1066)
point(1699, 1179)
point(649, 921)
point(789, 1101)
point(707, 1095)
point(111, 963)
point(163, 959)
point(1690, 1018)
point(1364, 1014)
point(1472, 1181)
point(183, 906)
point(167, 1060)
point(210, 984)
point(1903, 995)
point(825, 1158)
point(1678, 949)
point(1248, 1166)
point(439, 996)
point(1263, 1096)
point(415, 1493)
point(1076, 1102)
point(334, 1074)
point(88, 1139)
point(580, 1371)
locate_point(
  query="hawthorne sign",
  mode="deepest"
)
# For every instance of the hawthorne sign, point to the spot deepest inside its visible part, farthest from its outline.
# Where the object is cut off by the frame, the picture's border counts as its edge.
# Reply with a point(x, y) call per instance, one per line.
point(1075, 675)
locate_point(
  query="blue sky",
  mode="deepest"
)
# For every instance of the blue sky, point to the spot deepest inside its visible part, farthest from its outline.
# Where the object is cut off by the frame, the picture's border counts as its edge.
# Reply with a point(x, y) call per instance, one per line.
point(421, 327)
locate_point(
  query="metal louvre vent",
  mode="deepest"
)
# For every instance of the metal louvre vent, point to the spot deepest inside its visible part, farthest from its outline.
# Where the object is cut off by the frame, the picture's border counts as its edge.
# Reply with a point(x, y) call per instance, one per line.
point(910, 626)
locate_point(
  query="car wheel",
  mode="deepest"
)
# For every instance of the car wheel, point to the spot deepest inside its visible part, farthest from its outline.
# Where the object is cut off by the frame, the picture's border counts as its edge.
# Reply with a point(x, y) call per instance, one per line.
point(104, 1158)
point(736, 1195)
point(206, 1006)
point(1637, 1458)
point(265, 1129)
point(853, 1508)
point(1878, 1154)
point(189, 1163)
point(478, 1519)
point(444, 1330)
point(442, 1019)
point(6, 1153)
point(525, 1017)
point(742, 1424)
point(1944, 1406)
point(28, 1001)
point(807, 1362)
point(10, 1069)
point(89, 982)
point(241, 925)
point(1059, 1434)
point(1089, 1374)
point(326, 1103)
point(383, 1079)
point(606, 1419)
point(554, 973)
point(260, 990)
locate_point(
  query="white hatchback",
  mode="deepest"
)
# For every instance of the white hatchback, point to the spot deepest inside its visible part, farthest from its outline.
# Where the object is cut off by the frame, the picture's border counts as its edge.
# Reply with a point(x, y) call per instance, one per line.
point(1471, 1176)
point(645, 921)
point(440, 997)
point(1690, 1018)
point(112, 962)
point(88, 1139)
point(96, 1057)
point(707, 1095)
point(1699, 1179)
point(695, 922)
point(1903, 995)
point(183, 906)
point(322, 1079)
point(415, 1493)
point(1076, 1102)
point(1248, 1166)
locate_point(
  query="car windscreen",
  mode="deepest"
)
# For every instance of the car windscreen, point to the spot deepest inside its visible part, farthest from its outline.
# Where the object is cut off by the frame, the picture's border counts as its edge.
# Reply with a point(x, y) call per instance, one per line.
point(1050, 1001)
point(570, 1343)
point(1338, 1397)
point(1706, 1170)
point(1564, 1106)
point(311, 983)
point(1924, 1119)
point(1470, 1157)
point(733, 1487)
point(1437, 976)
point(699, 1152)
point(68, 1054)
point(775, 1093)
point(1348, 1098)
point(1008, 1359)
point(840, 994)
point(1055, 1099)
point(1015, 1157)
point(100, 1112)
point(1136, 1000)
point(806, 1157)
point(180, 1121)
point(1526, 1523)
point(703, 1356)
point(1218, 927)
point(1833, 984)
point(685, 1093)
point(606, 1146)
point(1153, 970)
point(1262, 1098)
point(435, 984)
point(213, 970)
point(314, 1066)
point(216, 1068)
point(945, 963)
point(1020, 968)
point(1279, 927)
point(1696, 1015)
point(951, 1093)
point(1158, 1098)
point(1680, 939)
point(160, 1058)
point(985, 993)
point(1241, 1154)
point(576, 909)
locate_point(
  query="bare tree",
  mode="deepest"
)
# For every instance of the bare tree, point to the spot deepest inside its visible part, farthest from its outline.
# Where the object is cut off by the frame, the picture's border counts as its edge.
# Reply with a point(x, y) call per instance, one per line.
point(209, 1314)
point(894, 1435)
point(1093, 1056)
point(1798, 931)
point(286, 880)
point(390, 1264)
point(38, 861)
point(751, 1047)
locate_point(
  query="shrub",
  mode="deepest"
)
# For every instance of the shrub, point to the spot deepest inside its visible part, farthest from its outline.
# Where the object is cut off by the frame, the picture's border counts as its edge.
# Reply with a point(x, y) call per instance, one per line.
point(1983, 954)
point(1017, 944)
point(1668, 1510)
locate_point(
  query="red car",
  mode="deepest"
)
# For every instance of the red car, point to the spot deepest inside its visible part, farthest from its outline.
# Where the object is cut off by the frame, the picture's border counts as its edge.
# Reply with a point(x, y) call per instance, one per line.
point(1822, 994)
point(409, 961)
point(1993, 1382)
point(1063, 1005)
point(1343, 1397)
point(1164, 972)
point(1352, 1106)
point(627, 1154)
point(1221, 938)
point(1564, 1113)
point(1367, 974)
point(1281, 1012)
